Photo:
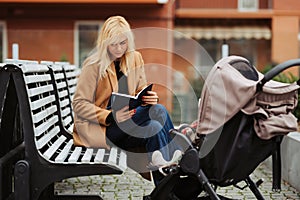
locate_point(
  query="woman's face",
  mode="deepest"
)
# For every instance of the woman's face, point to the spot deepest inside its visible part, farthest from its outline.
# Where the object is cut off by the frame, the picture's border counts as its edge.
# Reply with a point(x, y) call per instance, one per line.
point(118, 48)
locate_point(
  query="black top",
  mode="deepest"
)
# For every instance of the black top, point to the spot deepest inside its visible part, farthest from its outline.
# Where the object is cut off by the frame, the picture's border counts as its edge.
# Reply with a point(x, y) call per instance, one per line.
point(122, 79)
point(123, 88)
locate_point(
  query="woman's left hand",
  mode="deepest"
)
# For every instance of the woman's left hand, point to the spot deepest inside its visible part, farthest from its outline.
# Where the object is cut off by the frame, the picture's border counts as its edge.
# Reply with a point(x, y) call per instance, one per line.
point(151, 98)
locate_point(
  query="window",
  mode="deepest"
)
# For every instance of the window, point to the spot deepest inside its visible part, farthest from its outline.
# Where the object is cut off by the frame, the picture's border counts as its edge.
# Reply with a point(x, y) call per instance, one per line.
point(86, 33)
point(247, 5)
point(192, 70)
point(257, 51)
point(3, 42)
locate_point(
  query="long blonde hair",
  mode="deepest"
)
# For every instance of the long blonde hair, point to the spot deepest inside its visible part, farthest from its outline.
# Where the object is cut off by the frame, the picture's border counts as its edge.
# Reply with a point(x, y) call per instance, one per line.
point(112, 28)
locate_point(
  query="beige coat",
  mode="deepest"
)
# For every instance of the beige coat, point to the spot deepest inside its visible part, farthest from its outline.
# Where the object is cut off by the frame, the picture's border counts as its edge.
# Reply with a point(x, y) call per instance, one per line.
point(91, 99)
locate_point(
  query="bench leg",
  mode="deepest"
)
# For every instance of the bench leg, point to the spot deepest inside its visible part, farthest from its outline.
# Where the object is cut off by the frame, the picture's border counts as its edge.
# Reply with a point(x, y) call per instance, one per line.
point(22, 183)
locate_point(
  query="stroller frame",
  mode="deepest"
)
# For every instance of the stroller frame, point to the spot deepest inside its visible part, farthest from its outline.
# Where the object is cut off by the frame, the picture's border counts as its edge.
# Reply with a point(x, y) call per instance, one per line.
point(190, 164)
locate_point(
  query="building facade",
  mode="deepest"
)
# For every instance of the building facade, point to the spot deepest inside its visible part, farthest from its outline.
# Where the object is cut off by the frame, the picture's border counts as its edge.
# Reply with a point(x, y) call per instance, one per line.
point(179, 39)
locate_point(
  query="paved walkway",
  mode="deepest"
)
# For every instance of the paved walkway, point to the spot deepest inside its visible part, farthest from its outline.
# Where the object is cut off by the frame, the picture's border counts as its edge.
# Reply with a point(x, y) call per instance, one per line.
point(131, 186)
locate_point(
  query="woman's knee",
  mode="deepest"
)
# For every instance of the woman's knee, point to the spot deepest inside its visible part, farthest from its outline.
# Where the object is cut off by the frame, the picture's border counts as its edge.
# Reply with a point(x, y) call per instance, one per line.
point(158, 110)
point(155, 127)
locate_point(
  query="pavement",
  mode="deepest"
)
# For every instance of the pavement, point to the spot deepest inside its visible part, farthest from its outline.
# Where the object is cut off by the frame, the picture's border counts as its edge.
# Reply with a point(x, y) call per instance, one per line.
point(131, 186)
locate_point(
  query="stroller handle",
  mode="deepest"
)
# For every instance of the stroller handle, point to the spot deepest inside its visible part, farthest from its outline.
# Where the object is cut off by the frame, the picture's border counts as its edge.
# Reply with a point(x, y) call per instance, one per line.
point(276, 70)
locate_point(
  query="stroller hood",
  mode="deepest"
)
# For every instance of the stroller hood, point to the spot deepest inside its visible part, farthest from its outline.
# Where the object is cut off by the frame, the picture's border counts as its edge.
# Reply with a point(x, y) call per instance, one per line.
point(272, 109)
point(231, 86)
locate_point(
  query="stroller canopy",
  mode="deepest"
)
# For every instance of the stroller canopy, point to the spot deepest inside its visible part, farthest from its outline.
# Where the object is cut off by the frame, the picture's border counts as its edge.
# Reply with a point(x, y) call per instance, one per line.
point(231, 86)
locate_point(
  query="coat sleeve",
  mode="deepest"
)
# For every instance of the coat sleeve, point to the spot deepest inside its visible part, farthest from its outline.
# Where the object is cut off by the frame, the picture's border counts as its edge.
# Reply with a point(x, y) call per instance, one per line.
point(84, 98)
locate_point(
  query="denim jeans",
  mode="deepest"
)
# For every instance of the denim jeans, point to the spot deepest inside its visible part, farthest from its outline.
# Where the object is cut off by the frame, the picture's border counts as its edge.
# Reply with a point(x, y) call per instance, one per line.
point(149, 127)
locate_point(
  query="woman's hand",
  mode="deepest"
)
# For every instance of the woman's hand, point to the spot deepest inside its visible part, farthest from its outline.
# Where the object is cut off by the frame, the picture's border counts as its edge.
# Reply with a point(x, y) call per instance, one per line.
point(151, 98)
point(124, 114)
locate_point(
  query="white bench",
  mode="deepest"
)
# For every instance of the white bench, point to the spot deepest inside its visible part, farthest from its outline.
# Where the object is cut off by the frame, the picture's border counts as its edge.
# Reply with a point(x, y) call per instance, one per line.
point(46, 114)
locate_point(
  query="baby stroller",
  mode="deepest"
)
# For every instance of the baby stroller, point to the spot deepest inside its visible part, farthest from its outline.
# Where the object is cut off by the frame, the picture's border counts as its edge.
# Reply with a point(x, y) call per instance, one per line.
point(243, 116)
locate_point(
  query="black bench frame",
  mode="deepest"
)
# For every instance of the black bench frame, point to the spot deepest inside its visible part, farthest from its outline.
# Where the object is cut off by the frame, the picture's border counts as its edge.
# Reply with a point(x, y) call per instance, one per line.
point(35, 176)
point(11, 143)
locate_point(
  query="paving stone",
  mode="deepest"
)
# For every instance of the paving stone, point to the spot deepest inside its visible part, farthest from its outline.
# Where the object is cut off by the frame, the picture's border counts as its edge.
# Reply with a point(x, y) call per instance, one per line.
point(131, 186)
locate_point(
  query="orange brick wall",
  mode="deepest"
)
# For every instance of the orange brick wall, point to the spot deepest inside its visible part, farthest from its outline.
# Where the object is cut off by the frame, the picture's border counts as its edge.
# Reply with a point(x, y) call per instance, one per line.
point(286, 5)
point(41, 39)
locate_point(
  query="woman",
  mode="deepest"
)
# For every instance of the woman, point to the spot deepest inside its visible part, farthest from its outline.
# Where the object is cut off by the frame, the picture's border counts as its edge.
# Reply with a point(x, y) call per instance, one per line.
point(115, 66)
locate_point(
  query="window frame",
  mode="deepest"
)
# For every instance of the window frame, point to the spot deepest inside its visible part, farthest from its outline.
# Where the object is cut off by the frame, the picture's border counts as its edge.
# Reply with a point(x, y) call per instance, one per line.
point(4, 40)
point(242, 5)
point(76, 36)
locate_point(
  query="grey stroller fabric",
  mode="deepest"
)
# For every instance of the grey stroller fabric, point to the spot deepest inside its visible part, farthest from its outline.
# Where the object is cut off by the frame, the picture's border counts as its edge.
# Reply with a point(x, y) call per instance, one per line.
point(227, 90)
point(272, 109)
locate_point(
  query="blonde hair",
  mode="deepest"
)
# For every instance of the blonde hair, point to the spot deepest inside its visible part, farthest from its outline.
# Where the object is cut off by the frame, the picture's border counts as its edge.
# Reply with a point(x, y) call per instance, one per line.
point(112, 28)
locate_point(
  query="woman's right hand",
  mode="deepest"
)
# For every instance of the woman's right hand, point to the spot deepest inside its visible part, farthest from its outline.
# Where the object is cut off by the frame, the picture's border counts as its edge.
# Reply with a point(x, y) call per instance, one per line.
point(124, 114)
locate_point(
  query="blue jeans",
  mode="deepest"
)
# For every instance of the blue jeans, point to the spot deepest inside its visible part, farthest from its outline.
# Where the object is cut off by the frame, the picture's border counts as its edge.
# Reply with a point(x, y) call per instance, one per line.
point(149, 128)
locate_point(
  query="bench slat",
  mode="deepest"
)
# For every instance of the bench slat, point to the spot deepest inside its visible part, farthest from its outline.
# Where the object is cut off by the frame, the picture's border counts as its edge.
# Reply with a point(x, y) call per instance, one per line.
point(66, 112)
point(61, 85)
point(64, 153)
point(123, 161)
point(113, 156)
point(53, 148)
point(100, 155)
point(43, 114)
point(39, 90)
point(45, 125)
point(42, 102)
point(67, 120)
point(37, 78)
point(63, 93)
point(87, 155)
point(47, 137)
point(34, 67)
point(64, 103)
point(59, 76)
point(75, 155)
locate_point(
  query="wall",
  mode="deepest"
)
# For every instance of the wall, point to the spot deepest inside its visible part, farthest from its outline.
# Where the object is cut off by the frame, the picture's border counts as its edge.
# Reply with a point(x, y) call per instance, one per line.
point(46, 32)
point(290, 5)
point(263, 4)
point(285, 30)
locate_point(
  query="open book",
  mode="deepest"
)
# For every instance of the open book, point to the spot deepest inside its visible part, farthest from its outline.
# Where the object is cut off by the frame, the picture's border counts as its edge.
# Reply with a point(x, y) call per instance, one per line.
point(119, 100)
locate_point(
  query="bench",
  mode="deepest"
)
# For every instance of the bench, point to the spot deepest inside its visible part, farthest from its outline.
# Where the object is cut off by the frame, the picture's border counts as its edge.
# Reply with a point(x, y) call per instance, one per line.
point(44, 100)
point(11, 143)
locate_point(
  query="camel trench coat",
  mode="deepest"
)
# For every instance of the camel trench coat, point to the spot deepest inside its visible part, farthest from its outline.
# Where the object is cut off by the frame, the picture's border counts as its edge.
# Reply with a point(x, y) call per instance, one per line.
point(92, 97)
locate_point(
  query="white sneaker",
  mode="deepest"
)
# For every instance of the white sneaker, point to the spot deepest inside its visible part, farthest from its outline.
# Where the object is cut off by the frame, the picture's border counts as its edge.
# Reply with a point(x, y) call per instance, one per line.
point(158, 160)
point(176, 157)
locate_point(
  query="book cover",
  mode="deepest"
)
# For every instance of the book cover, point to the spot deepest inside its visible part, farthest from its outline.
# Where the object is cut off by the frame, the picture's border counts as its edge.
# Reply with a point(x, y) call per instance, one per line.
point(119, 100)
